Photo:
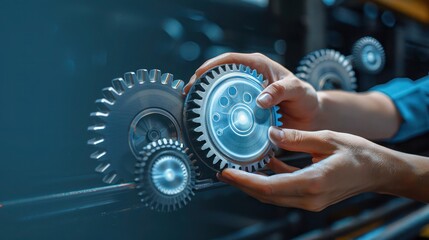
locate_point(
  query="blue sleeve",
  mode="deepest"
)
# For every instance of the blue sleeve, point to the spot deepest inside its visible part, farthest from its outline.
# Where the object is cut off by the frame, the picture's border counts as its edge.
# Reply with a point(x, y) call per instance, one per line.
point(411, 98)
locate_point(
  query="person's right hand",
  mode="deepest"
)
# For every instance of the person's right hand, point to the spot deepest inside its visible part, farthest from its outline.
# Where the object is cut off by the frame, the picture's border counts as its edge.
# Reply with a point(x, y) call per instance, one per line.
point(298, 100)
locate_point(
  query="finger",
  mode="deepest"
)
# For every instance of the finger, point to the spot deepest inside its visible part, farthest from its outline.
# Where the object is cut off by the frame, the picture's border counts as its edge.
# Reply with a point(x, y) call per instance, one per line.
point(278, 166)
point(302, 141)
point(261, 173)
point(284, 192)
point(189, 84)
point(288, 88)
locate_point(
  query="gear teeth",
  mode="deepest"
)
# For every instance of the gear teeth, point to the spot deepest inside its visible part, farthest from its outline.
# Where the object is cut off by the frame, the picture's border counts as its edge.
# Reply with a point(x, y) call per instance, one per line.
point(98, 155)
point(110, 94)
point(216, 160)
point(100, 115)
point(146, 193)
point(177, 84)
point(97, 127)
point(155, 75)
point(130, 78)
point(103, 104)
point(210, 153)
point(142, 76)
point(166, 78)
point(326, 59)
point(119, 85)
point(195, 111)
point(222, 164)
point(278, 116)
point(110, 178)
point(102, 167)
point(95, 141)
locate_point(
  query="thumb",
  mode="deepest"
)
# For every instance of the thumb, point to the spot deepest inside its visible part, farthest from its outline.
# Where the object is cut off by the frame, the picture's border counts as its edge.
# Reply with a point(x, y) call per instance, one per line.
point(301, 141)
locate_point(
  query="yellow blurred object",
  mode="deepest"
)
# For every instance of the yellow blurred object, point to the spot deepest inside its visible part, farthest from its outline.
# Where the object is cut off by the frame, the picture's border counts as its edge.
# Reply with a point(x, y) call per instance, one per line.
point(416, 9)
point(425, 232)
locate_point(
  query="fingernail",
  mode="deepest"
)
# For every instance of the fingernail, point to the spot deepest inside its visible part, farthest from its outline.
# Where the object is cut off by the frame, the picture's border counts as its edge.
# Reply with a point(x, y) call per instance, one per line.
point(264, 100)
point(275, 134)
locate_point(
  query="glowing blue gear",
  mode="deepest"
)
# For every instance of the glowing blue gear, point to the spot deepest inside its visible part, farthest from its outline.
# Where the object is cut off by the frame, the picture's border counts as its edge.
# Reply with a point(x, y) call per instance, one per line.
point(225, 125)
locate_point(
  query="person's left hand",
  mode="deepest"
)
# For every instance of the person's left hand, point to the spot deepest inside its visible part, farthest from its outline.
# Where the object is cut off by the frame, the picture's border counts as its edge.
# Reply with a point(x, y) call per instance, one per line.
point(343, 165)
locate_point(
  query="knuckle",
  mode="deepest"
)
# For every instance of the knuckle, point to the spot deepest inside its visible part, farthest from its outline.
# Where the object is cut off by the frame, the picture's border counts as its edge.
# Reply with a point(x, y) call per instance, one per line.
point(328, 136)
point(293, 136)
point(297, 85)
point(229, 55)
point(257, 55)
point(277, 88)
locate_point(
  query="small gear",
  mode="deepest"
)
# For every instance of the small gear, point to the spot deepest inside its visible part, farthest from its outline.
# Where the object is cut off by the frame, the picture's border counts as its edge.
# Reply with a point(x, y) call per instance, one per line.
point(368, 55)
point(327, 69)
point(137, 110)
point(225, 126)
point(165, 175)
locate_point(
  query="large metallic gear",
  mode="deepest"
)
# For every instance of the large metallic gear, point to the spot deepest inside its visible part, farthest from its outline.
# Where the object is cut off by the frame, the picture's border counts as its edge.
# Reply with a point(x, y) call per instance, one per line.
point(327, 69)
point(368, 55)
point(165, 176)
point(225, 126)
point(135, 111)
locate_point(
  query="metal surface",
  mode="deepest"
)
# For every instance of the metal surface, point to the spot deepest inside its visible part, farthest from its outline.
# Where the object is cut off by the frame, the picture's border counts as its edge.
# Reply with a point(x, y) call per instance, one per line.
point(165, 176)
point(137, 110)
point(225, 125)
point(368, 55)
point(327, 69)
point(408, 227)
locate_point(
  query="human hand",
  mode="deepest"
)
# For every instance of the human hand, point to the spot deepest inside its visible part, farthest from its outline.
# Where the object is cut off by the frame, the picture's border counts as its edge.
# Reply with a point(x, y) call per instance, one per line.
point(298, 101)
point(343, 165)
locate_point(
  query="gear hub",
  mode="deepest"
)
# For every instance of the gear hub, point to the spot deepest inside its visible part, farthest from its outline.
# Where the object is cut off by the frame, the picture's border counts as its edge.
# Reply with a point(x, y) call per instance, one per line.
point(165, 175)
point(225, 126)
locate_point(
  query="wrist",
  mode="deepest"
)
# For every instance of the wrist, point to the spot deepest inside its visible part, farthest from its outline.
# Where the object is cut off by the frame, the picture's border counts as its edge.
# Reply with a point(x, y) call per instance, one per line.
point(396, 173)
point(322, 115)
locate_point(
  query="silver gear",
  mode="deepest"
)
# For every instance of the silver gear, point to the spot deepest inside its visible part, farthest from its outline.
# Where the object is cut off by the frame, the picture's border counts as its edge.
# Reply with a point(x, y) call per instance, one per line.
point(225, 127)
point(165, 176)
point(327, 69)
point(368, 55)
point(135, 111)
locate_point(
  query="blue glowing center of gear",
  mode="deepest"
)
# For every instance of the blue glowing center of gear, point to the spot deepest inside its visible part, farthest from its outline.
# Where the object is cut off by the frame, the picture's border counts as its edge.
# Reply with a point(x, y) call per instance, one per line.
point(241, 119)
point(237, 126)
point(169, 175)
point(371, 57)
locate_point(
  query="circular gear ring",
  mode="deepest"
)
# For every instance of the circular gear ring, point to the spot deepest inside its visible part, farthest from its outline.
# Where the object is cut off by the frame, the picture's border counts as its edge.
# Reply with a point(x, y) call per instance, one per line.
point(130, 116)
point(327, 69)
point(224, 124)
point(368, 55)
point(165, 176)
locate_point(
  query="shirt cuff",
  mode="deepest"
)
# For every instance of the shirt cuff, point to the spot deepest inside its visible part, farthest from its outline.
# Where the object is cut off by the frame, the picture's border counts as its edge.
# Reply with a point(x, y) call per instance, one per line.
point(411, 102)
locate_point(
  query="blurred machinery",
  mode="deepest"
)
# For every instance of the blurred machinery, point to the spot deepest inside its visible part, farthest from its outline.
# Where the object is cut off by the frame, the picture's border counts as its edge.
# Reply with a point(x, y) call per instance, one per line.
point(50, 190)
